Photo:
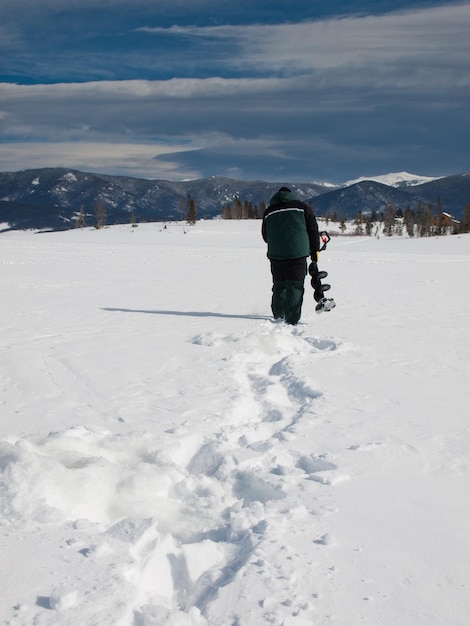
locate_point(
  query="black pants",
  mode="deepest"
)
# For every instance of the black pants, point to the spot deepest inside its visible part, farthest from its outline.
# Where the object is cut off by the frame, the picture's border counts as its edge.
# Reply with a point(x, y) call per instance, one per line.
point(288, 288)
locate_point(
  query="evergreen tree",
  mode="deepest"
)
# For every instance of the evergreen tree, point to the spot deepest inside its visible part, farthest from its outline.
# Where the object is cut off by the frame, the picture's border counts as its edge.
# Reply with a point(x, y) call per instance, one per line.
point(191, 211)
point(358, 224)
point(424, 220)
point(226, 212)
point(389, 220)
point(247, 210)
point(465, 223)
point(261, 209)
point(398, 227)
point(409, 218)
point(236, 209)
point(439, 228)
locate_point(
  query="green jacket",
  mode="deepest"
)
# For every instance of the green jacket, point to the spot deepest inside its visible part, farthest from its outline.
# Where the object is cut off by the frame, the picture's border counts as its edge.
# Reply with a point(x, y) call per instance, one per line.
point(289, 227)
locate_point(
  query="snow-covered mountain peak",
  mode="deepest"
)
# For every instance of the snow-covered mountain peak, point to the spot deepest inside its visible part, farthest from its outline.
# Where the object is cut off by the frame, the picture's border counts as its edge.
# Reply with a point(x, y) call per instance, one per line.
point(395, 179)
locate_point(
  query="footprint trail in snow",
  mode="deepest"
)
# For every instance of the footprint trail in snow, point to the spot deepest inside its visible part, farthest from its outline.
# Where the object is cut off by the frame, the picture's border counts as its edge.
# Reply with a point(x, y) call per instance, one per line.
point(177, 525)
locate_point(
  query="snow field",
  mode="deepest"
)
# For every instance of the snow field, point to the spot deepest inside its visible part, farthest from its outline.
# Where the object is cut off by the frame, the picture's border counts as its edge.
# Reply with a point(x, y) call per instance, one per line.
point(171, 456)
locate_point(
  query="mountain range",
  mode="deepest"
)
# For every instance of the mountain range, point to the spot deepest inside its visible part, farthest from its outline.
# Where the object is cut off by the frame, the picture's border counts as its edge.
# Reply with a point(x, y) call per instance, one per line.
point(51, 198)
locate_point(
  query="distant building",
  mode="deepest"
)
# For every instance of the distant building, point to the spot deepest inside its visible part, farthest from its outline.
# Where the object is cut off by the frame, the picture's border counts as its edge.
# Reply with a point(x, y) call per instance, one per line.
point(445, 220)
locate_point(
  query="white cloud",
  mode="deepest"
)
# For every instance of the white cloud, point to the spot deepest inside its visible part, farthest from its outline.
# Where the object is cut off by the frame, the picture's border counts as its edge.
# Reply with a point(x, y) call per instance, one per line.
point(142, 89)
point(128, 159)
point(411, 42)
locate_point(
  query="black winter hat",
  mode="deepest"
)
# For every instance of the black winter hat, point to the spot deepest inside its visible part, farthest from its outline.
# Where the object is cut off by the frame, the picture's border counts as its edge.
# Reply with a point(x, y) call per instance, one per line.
point(285, 189)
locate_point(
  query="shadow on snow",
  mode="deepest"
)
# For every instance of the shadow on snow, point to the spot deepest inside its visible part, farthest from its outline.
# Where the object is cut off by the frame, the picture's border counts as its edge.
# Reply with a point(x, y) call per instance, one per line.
point(190, 313)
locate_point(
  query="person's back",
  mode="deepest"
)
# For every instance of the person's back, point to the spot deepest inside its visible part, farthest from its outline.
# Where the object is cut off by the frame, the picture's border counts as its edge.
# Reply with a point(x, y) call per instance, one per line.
point(290, 229)
point(285, 227)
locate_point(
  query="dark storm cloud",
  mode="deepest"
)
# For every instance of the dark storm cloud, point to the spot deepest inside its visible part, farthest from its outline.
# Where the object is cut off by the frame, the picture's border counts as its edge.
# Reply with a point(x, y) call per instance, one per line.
point(330, 98)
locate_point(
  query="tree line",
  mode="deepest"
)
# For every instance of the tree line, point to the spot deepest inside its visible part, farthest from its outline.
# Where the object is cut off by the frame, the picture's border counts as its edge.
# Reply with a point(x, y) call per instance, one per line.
point(246, 210)
point(188, 212)
point(422, 221)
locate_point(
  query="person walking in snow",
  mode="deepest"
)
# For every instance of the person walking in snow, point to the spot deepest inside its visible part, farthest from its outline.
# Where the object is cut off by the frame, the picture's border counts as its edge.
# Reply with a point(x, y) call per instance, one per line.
point(290, 229)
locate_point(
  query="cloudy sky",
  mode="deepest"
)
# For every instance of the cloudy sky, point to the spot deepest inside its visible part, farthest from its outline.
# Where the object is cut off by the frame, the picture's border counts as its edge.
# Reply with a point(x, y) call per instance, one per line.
point(307, 90)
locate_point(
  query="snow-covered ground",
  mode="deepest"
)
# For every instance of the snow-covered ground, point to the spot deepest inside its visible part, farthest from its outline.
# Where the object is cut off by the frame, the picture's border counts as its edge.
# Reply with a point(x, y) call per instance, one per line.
point(170, 456)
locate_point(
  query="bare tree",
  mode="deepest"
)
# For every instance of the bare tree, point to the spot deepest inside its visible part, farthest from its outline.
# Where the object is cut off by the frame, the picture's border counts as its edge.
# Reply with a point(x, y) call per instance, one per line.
point(80, 218)
point(101, 215)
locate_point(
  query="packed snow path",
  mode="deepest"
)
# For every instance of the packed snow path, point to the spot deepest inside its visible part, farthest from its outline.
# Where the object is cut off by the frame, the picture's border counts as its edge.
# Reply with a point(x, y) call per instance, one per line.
point(171, 456)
